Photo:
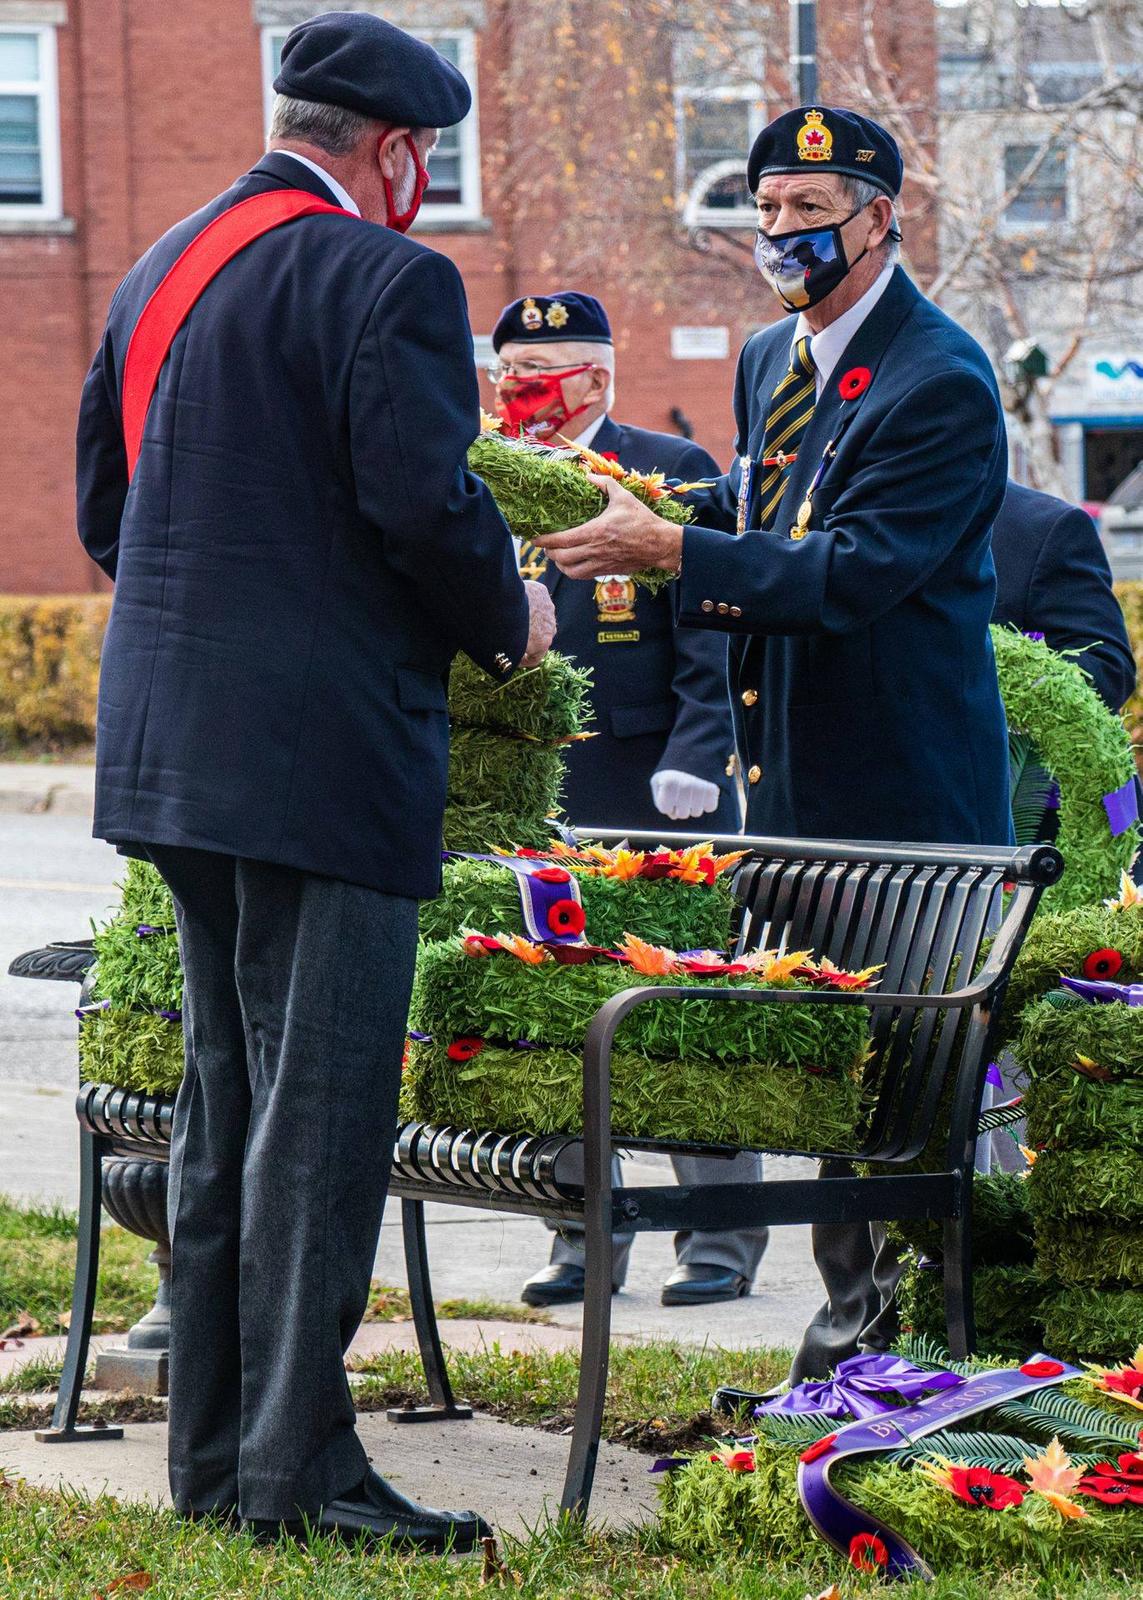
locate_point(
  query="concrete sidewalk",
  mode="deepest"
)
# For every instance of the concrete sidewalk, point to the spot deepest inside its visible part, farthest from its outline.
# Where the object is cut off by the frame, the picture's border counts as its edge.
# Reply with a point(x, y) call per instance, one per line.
point(512, 1476)
point(33, 787)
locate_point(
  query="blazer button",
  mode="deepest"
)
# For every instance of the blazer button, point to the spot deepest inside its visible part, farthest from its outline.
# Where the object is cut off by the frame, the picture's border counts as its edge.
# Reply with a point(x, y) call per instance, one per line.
point(732, 766)
point(798, 533)
point(736, 611)
point(723, 608)
point(754, 774)
point(750, 697)
point(708, 605)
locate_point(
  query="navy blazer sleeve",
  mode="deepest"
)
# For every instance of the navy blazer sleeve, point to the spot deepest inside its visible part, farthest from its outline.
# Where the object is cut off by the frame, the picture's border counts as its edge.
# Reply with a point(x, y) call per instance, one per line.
point(900, 514)
point(101, 463)
point(414, 411)
point(1071, 601)
point(703, 733)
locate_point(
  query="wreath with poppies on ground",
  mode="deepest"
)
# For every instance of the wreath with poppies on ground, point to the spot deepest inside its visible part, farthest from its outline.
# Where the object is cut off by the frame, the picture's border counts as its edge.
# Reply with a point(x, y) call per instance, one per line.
point(1085, 749)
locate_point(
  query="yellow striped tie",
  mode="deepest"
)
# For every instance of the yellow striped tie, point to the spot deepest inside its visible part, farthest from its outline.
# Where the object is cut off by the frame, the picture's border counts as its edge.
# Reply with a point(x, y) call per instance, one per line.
point(791, 407)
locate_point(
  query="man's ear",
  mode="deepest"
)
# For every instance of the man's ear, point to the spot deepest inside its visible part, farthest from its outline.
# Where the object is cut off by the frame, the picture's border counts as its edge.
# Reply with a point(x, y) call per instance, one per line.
point(389, 156)
point(600, 381)
point(881, 212)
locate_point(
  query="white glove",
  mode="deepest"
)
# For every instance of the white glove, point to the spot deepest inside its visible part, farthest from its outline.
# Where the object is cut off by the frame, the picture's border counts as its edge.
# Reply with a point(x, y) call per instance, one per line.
point(677, 795)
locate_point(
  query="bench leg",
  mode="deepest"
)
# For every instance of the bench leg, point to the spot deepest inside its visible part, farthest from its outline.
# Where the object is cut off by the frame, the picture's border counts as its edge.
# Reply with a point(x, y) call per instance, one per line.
point(64, 1429)
point(595, 1352)
point(444, 1407)
point(960, 1320)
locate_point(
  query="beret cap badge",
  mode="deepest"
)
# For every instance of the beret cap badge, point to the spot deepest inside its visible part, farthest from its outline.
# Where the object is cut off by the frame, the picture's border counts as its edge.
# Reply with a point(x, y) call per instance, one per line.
point(531, 315)
point(557, 315)
point(815, 141)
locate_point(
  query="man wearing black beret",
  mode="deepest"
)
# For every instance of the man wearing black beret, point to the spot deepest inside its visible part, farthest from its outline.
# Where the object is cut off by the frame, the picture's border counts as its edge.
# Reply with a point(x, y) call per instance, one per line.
point(286, 384)
point(662, 712)
point(847, 555)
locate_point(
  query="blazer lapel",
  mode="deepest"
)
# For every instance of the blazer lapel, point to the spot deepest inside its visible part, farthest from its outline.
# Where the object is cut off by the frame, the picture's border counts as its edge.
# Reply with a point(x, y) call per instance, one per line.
point(832, 415)
point(609, 440)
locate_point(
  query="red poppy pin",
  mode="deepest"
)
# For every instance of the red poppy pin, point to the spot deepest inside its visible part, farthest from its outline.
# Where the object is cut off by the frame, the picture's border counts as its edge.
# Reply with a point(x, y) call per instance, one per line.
point(464, 1049)
point(854, 382)
point(867, 1552)
point(566, 916)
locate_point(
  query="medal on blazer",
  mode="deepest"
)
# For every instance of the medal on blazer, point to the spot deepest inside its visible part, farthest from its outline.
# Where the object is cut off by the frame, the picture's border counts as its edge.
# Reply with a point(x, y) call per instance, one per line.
point(801, 524)
point(615, 598)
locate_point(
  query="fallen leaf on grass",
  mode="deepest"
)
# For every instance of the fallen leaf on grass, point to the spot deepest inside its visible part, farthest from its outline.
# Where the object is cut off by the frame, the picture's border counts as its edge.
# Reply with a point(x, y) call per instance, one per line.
point(24, 1325)
point(832, 1593)
point(493, 1569)
point(130, 1580)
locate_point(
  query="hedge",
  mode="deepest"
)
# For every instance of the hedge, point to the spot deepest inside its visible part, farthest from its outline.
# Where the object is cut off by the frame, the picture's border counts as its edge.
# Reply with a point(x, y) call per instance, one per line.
point(49, 664)
point(49, 669)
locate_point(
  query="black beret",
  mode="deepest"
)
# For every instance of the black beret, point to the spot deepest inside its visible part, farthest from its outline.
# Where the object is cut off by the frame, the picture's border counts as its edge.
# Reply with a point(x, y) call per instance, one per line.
point(353, 59)
point(826, 139)
point(545, 318)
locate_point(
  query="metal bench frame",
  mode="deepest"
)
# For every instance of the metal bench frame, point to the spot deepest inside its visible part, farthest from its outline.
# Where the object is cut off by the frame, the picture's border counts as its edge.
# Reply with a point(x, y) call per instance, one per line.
point(920, 911)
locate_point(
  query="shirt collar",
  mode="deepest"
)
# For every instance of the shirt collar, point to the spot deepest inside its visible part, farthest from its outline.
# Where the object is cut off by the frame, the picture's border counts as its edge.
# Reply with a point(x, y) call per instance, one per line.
point(587, 437)
point(827, 346)
point(342, 196)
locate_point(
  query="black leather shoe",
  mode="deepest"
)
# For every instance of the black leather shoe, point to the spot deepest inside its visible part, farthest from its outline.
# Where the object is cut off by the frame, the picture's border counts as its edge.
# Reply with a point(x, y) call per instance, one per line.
point(559, 1284)
point(728, 1401)
point(375, 1511)
point(700, 1286)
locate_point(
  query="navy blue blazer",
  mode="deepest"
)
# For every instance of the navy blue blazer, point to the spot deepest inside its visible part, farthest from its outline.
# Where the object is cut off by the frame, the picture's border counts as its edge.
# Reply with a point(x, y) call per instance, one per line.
point(300, 554)
point(1052, 577)
point(659, 692)
point(865, 681)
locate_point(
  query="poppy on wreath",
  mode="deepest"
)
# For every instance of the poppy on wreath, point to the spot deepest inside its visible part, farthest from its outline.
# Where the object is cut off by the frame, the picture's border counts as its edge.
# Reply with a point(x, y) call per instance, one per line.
point(566, 916)
point(867, 1552)
point(983, 1488)
point(552, 875)
point(464, 1049)
point(820, 1447)
point(1102, 964)
point(854, 382)
point(1042, 1369)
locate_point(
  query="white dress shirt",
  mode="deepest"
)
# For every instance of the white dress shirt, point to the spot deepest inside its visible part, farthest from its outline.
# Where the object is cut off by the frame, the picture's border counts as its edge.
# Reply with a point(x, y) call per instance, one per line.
point(827, 347)
point(342, 196)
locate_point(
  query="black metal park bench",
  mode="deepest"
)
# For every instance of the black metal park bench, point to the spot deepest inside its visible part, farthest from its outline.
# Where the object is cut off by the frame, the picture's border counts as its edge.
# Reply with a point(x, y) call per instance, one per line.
point(921, 912)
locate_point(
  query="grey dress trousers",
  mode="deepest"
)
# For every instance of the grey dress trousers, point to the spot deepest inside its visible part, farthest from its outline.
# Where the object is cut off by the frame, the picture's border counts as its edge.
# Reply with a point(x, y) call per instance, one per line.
point(294, 1011)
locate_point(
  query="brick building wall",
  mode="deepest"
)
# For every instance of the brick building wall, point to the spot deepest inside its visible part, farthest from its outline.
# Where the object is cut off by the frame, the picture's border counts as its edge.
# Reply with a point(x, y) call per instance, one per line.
point(593, 116)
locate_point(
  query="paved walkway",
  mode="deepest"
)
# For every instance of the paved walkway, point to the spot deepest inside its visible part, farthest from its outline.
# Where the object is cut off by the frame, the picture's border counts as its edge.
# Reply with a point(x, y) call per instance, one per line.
point(512, 1476)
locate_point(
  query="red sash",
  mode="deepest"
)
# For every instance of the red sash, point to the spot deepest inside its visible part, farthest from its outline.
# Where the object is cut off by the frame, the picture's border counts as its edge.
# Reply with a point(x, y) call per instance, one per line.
point(171, 303)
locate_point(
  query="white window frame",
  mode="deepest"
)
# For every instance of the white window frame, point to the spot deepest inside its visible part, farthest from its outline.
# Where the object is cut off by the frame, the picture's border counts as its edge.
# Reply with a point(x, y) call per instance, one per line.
point(695, 214)
point(469, 208)
point(1019, 225)
point(50, 208)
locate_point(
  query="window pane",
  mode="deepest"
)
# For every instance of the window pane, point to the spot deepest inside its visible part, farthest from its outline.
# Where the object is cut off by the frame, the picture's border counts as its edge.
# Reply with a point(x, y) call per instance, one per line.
point(716, 130)
point(19, 58)
point(21, 180)
point(1044, 197)
point(449, 48)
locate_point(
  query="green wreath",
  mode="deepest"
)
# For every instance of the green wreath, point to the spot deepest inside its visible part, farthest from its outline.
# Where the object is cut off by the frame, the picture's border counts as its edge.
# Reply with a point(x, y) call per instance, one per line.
point(1085, 748)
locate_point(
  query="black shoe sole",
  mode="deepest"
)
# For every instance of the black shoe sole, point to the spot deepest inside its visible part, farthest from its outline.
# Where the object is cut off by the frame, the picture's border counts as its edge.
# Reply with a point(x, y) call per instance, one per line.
point(454, 1541)
point(682, 1296)
point(558, 1297)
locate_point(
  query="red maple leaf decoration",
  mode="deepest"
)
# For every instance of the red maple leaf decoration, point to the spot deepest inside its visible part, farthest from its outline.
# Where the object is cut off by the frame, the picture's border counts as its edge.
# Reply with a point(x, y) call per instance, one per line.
point(814, 138)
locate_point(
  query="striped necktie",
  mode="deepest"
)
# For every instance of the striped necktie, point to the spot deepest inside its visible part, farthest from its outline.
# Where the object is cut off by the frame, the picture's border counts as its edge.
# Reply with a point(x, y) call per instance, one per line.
point(791, 407)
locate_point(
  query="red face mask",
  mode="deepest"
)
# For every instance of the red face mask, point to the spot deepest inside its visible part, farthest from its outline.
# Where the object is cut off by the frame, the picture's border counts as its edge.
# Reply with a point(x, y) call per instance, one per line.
point(402, 221)
point(538, 403)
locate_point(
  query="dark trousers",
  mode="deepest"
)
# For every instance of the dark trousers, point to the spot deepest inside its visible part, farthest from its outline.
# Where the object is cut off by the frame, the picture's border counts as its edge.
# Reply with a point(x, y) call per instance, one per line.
point(860, 1270)
point(296, 994)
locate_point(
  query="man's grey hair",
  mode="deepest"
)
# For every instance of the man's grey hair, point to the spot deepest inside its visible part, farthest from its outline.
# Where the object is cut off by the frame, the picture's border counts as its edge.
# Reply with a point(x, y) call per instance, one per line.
point(334, 129)
point(860, 192)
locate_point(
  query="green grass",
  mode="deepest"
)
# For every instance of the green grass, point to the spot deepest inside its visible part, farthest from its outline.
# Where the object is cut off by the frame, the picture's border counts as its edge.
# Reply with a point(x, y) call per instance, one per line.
point(37, 1264)
point(63, 1547)
point(658, 1395)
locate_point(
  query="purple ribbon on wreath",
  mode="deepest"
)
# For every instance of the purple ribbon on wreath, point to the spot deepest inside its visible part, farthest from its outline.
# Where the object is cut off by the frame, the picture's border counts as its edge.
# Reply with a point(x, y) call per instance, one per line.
point(537, 897)
point(1122, 806)
point(1099, 992)
point(862, 1387)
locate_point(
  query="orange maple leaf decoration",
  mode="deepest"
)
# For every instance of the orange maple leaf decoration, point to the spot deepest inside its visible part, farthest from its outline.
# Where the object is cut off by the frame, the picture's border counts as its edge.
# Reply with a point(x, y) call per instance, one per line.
point(652, 960)
point(1130, 895)
point(767, 966)
point(1124, 1382)
point(1052, 1476)
point(523, 949)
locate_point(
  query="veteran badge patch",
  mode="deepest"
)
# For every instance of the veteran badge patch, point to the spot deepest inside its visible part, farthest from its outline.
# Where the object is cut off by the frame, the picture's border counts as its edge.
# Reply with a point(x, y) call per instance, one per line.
point(815, 141)
point(615, 598)
point(531, 315)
